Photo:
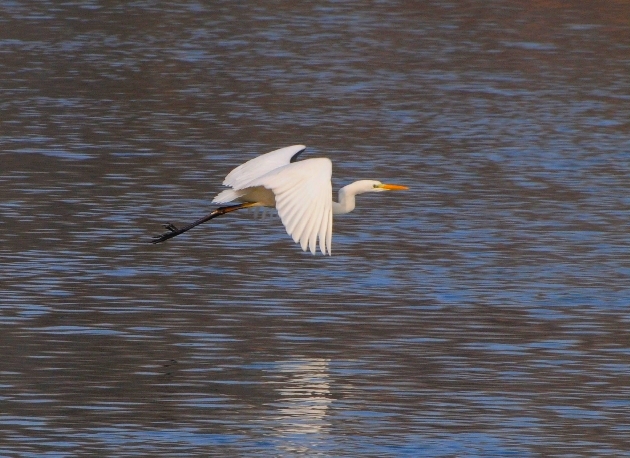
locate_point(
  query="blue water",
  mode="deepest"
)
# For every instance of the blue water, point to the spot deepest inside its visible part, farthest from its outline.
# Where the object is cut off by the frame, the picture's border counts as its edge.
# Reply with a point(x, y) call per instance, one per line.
point(482, 313)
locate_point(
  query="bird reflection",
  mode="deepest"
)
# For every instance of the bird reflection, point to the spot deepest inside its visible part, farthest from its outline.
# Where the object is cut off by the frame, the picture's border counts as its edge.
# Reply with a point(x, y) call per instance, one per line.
point(304, 397)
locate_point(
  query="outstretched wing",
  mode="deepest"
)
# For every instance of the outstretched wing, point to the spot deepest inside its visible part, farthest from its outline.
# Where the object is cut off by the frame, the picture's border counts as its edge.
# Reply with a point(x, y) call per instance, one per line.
point(303, 193)
point(261, 165)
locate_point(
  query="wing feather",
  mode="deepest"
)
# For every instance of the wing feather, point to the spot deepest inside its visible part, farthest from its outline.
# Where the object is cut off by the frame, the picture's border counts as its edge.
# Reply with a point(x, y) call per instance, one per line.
point(303, 193)
point(329, 230)
point(323, 228)
point(261, 165)
point(304, 226)
point(312, 228)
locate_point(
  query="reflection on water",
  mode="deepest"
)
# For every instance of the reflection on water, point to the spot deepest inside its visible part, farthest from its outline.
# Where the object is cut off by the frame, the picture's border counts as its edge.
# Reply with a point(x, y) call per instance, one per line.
point(483, 313)
point(305, 396)
point(304, 401)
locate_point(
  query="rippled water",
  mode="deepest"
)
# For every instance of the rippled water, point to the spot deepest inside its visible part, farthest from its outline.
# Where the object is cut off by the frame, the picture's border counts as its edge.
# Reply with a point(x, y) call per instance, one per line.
point(483, 313)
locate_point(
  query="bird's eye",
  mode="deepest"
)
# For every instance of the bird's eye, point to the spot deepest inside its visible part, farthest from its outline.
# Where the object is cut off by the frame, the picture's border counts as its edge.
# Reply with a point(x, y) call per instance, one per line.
point(375, 186)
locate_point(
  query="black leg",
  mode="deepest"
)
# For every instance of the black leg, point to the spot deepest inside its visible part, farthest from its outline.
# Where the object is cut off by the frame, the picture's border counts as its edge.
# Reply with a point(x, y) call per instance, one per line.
point(173, 231)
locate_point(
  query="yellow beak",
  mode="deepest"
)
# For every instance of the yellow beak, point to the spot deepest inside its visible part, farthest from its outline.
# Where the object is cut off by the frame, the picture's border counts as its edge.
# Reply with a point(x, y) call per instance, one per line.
point(393, 187)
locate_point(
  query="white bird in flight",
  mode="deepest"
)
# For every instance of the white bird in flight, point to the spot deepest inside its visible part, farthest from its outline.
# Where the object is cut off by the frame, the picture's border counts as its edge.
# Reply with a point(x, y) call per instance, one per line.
point(301, 192)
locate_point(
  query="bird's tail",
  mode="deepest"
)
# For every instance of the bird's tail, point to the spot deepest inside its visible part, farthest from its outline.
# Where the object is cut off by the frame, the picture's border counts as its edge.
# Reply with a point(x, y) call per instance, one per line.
point(229, 195)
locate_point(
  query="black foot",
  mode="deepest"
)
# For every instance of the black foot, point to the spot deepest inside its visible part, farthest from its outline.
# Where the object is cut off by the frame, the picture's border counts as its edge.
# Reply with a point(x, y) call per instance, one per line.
point(172, 232)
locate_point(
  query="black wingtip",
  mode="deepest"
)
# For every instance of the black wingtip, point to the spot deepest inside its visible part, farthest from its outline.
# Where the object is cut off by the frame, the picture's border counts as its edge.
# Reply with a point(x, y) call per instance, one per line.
point(296, 155)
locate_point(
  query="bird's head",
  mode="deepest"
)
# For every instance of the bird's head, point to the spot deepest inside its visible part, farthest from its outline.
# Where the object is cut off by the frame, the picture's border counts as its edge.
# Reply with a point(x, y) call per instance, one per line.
point(377, 186)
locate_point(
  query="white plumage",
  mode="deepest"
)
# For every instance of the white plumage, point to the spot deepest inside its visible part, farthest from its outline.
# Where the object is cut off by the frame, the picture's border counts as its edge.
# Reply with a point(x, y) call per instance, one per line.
point(300, 191)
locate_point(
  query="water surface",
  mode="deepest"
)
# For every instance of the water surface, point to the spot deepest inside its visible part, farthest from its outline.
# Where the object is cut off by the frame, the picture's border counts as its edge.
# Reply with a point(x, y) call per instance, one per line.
point(482, 313)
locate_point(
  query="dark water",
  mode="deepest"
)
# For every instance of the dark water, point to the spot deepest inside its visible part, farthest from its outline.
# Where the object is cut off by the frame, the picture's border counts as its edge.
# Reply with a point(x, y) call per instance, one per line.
point(483, 313)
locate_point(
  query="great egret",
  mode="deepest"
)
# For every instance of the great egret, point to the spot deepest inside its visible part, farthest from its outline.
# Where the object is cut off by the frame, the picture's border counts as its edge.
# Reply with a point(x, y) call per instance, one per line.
point(301, 192)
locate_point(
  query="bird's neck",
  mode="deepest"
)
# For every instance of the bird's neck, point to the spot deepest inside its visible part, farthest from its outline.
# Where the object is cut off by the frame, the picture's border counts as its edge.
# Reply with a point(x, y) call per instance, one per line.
point(346, 202)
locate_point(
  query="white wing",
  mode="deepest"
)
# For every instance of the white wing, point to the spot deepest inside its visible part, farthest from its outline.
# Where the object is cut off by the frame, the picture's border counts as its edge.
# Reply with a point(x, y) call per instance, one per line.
point(261, 165)
point(254, 168)
point(303, 193)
